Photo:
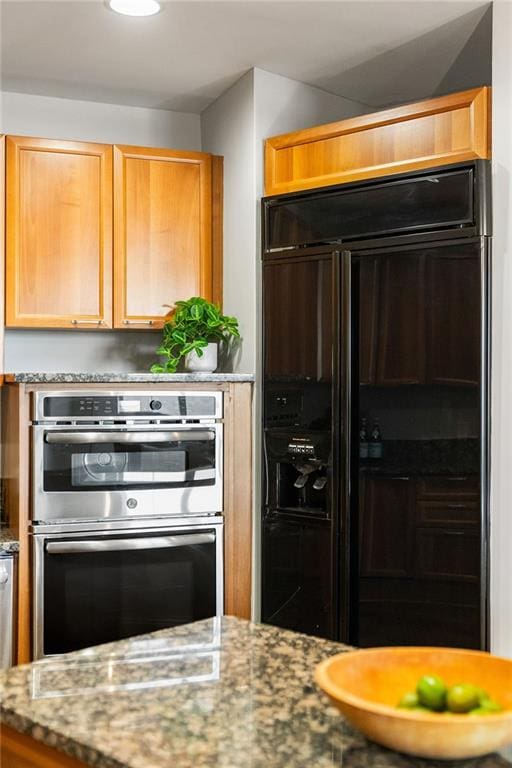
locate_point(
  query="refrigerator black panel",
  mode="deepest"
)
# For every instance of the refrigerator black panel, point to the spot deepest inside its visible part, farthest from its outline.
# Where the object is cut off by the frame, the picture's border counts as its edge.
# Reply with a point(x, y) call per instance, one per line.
point(432, 201)
point(298, 310)
point(297, 576)
point(417, 496)
point(384, 543)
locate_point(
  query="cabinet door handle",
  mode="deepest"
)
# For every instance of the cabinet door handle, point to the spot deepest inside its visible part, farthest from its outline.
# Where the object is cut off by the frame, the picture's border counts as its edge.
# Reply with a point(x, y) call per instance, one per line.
point(138, 322)
point(87, 322)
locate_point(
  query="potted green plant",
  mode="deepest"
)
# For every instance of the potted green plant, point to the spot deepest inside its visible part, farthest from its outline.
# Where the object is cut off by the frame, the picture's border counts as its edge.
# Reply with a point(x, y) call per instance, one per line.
point(192, 335)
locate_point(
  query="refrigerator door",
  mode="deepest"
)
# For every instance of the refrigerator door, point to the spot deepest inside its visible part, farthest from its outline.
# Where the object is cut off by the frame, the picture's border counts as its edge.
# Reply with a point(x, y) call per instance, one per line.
point(300, 391)
point(418, 474)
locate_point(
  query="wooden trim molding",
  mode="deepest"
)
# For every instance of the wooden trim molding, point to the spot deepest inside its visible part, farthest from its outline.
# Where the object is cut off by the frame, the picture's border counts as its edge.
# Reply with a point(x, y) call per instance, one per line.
point(2, 255)
point(17, 750)
point(429, 133)
point(217, 228)
point(238, 500)
point(16, 479)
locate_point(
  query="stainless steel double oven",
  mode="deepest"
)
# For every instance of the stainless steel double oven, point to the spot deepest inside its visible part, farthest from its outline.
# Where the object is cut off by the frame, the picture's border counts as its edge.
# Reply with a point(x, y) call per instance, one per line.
point(126, 514)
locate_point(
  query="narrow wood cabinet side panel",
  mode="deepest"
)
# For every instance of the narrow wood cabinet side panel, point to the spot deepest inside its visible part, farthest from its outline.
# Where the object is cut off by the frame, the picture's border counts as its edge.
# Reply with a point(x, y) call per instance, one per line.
point(163, 232)
point(217, 229)
point(2, 257)
point(16, 479)
point(429, 133)
point(58, 234)
point(238, 501)
point(18, 750)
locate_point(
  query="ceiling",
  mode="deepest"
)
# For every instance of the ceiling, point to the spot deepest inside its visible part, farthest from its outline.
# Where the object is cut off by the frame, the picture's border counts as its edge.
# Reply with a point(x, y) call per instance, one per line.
point(375, 52)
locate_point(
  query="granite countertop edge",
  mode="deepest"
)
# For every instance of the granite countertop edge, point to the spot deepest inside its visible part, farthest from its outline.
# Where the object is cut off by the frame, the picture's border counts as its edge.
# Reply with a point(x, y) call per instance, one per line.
point(149, 378)
point(56, 740)
point(8, 541)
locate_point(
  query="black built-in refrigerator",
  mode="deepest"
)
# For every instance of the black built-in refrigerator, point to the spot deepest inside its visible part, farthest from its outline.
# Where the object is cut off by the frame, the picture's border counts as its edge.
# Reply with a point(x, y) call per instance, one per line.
point(375, 406)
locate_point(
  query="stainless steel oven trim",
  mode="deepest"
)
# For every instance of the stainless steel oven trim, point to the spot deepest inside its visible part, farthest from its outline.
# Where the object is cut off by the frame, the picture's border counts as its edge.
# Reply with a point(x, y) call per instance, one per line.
point(39, 397)
point(69, 505)
point(125, 545)
point(135, 525)
point(40, 539)
point(106, 435)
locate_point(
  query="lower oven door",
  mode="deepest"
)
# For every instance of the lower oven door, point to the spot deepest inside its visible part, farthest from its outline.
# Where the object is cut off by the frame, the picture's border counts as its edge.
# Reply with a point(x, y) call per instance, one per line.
point(94, 588)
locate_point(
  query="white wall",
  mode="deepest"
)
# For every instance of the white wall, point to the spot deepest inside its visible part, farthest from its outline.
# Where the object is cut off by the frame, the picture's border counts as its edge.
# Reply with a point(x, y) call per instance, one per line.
point(227, 128)
point(29, 115)
point(52, 118)
point(501, 444)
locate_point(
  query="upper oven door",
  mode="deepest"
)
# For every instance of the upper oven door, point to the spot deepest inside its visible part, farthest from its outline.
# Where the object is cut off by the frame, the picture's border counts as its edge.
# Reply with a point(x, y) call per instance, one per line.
point(136, 470)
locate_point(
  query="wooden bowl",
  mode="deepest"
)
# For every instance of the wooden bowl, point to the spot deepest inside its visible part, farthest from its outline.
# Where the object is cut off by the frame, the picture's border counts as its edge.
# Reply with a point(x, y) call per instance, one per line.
point(366, 686)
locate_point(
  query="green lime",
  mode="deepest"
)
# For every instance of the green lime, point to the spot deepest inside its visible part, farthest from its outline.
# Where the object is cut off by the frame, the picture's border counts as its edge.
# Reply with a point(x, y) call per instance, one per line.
point(479, 711)
point(482, 695)
point(408, 700)
point(490, 706)
point(431, 692)
point(462, 697)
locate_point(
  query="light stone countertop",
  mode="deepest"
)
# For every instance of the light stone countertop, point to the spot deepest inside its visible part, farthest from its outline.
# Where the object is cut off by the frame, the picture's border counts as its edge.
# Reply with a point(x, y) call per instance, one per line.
point(8, 541)
point(220, 693)
point(148, 378)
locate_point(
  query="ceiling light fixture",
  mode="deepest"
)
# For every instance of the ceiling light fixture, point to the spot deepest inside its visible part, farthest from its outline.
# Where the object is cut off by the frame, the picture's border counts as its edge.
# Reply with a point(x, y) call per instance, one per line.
point(135, 7)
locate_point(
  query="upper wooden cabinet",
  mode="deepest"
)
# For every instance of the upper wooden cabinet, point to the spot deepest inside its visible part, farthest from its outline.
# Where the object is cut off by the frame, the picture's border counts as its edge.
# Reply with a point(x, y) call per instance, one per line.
point(88, 250)
point(429, 133)
point(58, 234)
point(162, 232)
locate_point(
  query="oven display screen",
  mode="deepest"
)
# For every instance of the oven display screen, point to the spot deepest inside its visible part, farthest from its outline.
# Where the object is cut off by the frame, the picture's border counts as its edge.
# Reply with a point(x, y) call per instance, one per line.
point(129, 406)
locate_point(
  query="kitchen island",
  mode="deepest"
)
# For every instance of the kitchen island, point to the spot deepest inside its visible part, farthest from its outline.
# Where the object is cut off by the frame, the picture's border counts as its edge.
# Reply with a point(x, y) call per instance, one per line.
point(222, 692)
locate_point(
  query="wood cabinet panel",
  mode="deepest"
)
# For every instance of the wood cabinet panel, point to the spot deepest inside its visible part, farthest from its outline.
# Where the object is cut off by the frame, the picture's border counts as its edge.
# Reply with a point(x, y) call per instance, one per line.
point(451, 513)
point(401, 346)
point(58, 234)
point(425, 134)
point(298, 343)
point(368, 318)
point(450, 555)
point(453, 317)
point(386, 526)
point(449, 488)
point(163, 232)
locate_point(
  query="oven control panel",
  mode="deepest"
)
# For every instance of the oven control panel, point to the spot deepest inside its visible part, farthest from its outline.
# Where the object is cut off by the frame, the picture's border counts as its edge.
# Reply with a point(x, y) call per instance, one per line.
point(94, 406)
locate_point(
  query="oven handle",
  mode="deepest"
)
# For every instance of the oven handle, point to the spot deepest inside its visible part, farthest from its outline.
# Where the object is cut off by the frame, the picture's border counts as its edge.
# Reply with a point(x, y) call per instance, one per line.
point(75, 438)
point(118, 545)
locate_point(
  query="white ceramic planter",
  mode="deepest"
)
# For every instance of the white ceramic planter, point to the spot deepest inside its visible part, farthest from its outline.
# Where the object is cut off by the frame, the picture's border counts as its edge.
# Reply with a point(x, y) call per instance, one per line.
point(205, 364)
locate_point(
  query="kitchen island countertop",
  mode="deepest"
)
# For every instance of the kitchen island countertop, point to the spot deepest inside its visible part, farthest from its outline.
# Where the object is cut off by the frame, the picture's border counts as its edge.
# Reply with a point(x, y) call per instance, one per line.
point(222, 692)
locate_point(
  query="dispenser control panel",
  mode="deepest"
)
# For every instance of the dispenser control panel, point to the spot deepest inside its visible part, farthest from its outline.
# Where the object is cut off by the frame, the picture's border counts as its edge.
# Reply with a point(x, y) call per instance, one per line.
point(301, 449)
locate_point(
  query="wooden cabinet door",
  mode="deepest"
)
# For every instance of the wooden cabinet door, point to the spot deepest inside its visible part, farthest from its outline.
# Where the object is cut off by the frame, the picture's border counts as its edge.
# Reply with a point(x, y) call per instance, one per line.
point(58, 234)
point(162, 232)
